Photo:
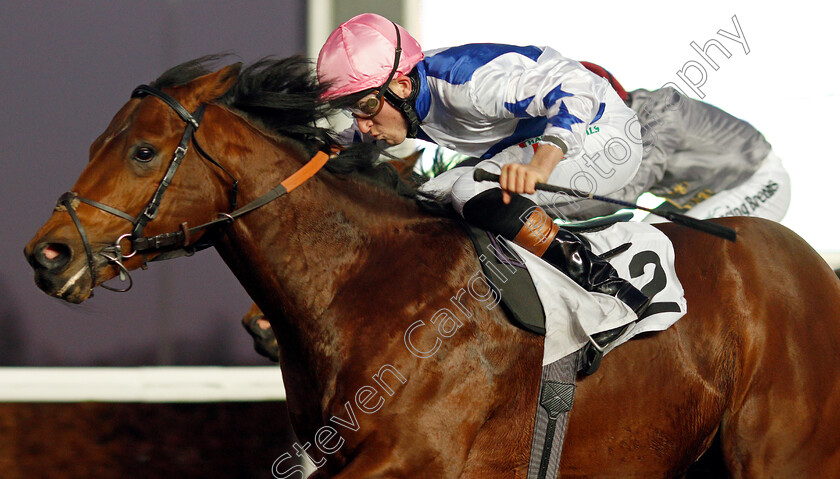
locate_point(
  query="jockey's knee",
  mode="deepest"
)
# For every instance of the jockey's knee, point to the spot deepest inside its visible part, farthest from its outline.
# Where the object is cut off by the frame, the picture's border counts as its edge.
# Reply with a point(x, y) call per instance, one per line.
point(623, 157)
point(466, 188)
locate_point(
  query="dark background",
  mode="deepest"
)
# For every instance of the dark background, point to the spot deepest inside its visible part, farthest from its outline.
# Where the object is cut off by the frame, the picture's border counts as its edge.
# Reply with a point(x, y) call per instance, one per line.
point(67, 67)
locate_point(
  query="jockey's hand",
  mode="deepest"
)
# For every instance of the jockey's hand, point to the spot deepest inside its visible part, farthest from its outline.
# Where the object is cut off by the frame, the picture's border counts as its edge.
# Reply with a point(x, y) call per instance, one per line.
point(519, 179)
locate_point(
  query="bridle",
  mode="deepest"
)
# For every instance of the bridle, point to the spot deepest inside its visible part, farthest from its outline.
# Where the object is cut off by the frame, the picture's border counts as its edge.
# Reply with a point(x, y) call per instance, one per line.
point(177, 243)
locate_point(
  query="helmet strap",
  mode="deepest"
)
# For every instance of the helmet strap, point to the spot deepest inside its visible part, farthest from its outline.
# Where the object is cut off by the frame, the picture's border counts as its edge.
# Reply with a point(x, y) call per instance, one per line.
point(406, 105)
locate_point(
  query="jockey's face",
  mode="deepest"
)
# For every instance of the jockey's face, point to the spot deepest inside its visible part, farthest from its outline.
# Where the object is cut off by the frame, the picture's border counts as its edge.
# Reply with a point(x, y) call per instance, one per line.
point(389, 124)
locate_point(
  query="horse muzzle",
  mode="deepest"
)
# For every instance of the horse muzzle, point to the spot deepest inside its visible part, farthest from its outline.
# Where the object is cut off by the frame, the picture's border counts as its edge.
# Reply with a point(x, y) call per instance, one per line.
point(60, 268)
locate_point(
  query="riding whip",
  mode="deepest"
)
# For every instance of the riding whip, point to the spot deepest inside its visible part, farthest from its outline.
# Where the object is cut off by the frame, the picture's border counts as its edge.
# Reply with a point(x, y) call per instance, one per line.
point(687, 221)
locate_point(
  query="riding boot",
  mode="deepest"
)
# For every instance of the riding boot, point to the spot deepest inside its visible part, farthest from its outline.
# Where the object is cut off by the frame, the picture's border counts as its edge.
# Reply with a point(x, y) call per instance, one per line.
point(529, 226)
point(568, 253)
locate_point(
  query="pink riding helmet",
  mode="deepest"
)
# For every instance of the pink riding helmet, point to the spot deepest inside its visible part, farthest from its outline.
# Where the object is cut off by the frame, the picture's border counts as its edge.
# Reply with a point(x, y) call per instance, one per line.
point(359, 55)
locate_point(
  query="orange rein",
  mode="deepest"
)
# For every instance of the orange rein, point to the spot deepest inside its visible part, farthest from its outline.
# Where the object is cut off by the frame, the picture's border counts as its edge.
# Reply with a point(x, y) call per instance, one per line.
point(306, 171)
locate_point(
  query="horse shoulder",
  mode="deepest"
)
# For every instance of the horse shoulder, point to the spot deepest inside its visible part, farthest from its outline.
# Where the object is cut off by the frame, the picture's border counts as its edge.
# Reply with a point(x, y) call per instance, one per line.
point(464, 364)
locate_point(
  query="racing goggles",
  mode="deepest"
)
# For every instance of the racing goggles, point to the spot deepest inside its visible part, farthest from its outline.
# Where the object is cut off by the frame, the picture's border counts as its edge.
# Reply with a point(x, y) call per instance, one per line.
point(371, 104)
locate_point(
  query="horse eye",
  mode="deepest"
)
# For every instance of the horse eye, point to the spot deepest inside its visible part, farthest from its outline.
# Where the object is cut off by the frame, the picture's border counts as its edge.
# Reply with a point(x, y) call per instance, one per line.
point(144, 154)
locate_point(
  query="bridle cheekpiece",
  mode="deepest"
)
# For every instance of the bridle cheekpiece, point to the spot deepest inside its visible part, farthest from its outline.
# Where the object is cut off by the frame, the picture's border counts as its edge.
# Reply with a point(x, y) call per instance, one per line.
point(177, 243)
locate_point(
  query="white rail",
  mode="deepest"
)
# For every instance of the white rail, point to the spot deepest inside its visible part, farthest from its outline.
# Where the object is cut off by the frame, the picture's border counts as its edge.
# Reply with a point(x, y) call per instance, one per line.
point(142, 384)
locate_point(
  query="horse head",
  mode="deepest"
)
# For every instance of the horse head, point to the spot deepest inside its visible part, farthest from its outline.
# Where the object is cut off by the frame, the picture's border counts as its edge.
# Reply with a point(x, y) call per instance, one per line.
point(231, 136)
point(118, 196)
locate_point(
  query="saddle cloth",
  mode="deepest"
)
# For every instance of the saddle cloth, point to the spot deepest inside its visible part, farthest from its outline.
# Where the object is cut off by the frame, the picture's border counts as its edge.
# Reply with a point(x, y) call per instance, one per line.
point(573, 314)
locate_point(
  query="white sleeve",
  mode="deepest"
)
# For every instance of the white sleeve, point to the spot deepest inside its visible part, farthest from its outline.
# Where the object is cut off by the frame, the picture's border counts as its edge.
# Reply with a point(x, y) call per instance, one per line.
point(568, 95)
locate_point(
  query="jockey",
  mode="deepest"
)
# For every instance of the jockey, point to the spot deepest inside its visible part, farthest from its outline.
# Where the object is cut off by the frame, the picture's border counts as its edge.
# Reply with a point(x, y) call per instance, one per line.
point(705, 162)
point(529, 114)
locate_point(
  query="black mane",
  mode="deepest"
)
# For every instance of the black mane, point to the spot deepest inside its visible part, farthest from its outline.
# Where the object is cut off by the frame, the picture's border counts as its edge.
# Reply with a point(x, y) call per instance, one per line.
point(284, 97)
point(281, 95)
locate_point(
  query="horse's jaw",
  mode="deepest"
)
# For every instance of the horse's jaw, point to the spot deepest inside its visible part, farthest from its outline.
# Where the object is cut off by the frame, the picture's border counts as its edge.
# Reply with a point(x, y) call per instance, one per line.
point(73, 288)
point(72, 283)
point(69, 279)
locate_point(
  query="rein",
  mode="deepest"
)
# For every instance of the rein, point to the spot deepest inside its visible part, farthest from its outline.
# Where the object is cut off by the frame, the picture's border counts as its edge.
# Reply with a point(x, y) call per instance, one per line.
point(177, 243)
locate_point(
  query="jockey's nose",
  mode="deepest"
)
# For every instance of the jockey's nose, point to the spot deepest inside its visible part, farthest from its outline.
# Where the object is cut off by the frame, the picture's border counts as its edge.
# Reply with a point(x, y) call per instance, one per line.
point(365, 124)
point(49, 256)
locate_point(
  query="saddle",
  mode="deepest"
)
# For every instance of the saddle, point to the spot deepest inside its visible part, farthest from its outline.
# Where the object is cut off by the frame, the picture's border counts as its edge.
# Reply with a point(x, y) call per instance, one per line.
point(506, 273)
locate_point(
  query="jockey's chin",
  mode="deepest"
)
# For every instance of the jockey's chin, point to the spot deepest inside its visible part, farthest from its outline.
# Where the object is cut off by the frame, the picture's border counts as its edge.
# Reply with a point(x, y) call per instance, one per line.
point(397, 134)
point(393, 142)
point(388, 125)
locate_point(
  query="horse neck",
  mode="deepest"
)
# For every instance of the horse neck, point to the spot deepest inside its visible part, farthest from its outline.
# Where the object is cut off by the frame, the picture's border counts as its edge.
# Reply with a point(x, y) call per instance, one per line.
point(297, 254)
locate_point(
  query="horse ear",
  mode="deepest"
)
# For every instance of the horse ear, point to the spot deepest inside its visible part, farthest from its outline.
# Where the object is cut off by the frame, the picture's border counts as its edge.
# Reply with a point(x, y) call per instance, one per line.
point(208, 87)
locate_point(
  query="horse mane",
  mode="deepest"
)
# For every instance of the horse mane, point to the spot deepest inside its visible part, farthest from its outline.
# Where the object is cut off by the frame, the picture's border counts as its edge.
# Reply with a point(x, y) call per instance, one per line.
point(283, 96)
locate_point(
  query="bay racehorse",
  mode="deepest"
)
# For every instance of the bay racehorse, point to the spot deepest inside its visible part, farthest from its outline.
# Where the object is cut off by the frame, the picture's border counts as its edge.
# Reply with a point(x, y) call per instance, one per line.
point(346, 264)
point(254, 320)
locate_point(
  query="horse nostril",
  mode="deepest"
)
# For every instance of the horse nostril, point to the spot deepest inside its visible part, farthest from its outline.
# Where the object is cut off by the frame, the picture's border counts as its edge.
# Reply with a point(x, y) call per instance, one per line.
point(52, 256)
